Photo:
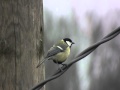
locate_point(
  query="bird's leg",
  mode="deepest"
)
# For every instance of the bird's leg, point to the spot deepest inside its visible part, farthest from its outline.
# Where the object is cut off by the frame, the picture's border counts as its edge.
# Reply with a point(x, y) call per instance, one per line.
point(59, 66)
point(64, 65)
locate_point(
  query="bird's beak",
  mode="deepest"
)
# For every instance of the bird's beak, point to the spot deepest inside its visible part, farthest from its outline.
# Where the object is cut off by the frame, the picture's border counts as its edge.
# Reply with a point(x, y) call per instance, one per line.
point(73, 43)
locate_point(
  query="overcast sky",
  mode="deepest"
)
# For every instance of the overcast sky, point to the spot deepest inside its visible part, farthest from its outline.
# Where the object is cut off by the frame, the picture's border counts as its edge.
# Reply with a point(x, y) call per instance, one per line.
point(63, 7)
point(80, 7)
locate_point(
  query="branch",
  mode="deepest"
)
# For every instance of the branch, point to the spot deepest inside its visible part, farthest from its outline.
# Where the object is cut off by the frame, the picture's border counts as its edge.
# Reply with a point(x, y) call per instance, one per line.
point(83, 54)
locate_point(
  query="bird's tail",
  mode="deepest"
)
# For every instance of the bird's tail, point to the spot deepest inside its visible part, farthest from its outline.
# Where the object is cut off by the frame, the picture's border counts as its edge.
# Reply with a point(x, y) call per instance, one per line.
point(41, 63)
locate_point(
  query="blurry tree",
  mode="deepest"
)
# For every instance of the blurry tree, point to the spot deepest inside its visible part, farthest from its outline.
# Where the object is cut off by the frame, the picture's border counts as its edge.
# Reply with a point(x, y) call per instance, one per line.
point(57, 28)
point(21, 28)
point(105, 65)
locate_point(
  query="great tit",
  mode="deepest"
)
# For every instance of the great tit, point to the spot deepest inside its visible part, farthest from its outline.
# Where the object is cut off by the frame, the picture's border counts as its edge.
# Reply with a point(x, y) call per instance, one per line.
point(59, 52)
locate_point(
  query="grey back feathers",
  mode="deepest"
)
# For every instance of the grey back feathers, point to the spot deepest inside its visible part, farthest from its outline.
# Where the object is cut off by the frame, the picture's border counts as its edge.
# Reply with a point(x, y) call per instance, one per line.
point(57, 48)
point(53, 51)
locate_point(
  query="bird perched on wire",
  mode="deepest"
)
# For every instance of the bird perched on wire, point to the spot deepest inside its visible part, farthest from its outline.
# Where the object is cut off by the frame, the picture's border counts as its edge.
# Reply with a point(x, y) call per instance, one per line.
point(59, 52)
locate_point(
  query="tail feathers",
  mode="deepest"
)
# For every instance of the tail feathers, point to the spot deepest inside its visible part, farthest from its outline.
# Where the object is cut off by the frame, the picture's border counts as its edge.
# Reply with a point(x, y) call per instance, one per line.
point(39, 64)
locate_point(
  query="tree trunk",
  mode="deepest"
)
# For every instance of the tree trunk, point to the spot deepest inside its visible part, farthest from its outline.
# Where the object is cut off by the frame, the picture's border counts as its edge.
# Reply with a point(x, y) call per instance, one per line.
point(21, 32)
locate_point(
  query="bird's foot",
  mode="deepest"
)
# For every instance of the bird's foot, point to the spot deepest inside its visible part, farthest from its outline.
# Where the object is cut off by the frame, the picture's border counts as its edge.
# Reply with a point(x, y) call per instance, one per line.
point(65, 65)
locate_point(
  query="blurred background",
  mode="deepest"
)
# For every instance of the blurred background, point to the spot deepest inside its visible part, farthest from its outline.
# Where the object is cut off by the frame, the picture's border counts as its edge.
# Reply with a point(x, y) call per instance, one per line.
point(85, 22)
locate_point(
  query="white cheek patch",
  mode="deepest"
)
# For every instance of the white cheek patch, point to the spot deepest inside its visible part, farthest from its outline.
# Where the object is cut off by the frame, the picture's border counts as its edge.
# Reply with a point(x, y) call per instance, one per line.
point(69, 43)
point(60, 47)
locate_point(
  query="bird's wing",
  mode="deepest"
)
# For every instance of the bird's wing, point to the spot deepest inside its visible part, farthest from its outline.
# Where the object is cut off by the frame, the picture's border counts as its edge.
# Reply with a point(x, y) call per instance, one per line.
point(53, 51)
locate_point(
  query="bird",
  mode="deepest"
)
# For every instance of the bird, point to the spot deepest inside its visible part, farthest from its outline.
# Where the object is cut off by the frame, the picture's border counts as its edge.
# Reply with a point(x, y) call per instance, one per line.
point(59, 52)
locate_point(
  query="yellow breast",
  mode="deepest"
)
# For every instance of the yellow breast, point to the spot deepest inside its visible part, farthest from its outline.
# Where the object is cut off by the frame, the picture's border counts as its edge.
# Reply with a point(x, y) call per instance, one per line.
point(61, 57)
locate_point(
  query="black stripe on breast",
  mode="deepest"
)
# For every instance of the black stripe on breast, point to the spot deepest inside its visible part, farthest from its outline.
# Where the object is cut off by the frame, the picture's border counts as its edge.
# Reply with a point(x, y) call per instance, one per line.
point(57, 62)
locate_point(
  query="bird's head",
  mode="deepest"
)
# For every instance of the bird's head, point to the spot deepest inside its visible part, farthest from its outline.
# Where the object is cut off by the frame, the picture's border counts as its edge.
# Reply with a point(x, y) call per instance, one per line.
point(68, 41)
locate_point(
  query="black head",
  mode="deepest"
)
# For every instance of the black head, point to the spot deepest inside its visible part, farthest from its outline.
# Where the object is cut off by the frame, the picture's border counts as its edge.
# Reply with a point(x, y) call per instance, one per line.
point(68, 41)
